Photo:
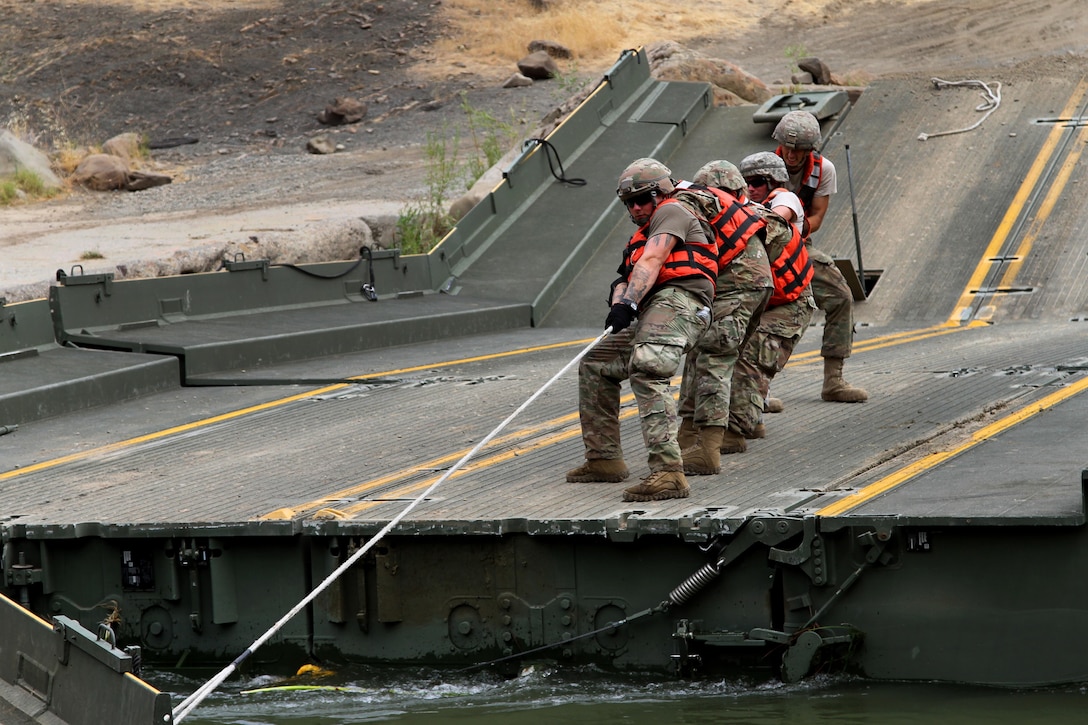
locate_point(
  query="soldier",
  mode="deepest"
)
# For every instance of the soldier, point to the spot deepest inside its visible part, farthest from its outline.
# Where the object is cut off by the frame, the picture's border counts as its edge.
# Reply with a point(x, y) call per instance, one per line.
point(791, 305)
point(665, 287)
point(812, 177)
point(743, 289)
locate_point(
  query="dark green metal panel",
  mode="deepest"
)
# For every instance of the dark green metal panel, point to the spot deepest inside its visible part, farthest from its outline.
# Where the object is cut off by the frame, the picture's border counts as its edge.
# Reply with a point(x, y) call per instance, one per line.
point(24, 326)
point(260, 316)
point(48, 672)
point(41, 379)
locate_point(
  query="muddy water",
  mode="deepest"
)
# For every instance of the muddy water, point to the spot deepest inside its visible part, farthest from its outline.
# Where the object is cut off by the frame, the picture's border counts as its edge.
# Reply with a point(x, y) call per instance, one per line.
point(572, 697)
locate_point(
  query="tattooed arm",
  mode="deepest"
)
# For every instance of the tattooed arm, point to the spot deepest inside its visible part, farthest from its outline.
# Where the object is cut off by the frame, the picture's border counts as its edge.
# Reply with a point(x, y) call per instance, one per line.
point(644, 275)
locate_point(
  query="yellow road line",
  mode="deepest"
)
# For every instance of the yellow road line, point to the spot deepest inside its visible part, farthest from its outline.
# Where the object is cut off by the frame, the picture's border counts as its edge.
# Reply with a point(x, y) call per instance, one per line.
point(1045, 209)
point(985, 433)
point(877, 343)
point(204, 422)
point(1015, 209)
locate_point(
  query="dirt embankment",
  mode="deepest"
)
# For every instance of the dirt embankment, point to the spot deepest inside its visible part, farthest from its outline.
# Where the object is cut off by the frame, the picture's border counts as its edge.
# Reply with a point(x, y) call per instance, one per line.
point(248, 78)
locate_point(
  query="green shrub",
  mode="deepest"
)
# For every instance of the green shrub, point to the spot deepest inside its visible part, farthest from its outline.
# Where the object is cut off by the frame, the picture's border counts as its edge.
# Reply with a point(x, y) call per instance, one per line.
point(27, 182)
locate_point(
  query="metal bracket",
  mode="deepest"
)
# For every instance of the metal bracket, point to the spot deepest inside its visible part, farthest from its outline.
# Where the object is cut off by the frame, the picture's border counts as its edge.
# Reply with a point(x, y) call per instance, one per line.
point(798, 659)
point(72, 279)
point(239, 264)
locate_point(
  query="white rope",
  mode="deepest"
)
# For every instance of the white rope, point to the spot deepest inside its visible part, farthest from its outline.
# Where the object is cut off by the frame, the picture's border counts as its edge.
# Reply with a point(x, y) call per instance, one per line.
point(188, 704)
point(991, 96)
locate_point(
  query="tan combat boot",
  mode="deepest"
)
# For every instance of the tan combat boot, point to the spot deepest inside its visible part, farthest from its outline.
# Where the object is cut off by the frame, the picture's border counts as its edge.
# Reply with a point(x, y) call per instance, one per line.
point(688, 433)
point(599, 470)
point(760, 431)
point(658, 486)
point(773, 405)
point(837, 390)
point(733, 442)
point(705, 458)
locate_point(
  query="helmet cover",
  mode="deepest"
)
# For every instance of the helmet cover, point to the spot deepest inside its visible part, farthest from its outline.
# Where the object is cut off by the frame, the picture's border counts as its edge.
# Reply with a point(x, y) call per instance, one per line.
point(798, 130)
point(765, 163)
point(643, 175)
point(720, 175)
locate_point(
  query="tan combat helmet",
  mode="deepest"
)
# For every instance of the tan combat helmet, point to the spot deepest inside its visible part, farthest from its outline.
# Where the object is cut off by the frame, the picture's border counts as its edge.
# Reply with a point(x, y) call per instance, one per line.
point(798, 130)
point(644, 175)
point(765, 163)
point(721, 175)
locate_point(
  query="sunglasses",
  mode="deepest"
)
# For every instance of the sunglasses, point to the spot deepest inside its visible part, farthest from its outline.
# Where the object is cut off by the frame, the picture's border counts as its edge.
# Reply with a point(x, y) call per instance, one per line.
point(642, 199)
point(757, 181)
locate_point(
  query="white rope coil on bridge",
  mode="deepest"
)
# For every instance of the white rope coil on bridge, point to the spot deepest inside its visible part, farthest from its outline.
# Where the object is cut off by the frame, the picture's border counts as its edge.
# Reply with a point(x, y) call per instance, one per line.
point(991, 96)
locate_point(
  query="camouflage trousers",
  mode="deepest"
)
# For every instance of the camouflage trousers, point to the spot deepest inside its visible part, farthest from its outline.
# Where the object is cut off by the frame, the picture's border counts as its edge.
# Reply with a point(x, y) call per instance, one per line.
point(767, 352)
point(708, 370)
point(834, 297)
point(648, 354)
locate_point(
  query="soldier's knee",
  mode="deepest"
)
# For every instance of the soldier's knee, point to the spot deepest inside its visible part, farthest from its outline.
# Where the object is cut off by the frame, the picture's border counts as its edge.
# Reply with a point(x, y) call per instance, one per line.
point(655, 360)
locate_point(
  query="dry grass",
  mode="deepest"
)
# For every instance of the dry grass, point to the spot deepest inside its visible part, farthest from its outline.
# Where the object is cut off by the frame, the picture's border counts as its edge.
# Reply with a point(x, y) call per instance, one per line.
point(496, 32)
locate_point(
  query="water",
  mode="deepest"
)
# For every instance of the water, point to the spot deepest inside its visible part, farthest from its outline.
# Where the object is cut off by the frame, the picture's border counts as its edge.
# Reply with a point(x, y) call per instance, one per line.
point(576, 696)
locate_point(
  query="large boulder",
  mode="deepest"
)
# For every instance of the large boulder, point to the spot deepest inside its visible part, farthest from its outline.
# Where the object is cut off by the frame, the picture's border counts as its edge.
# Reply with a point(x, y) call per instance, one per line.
point(105, 172)
point(732, 85)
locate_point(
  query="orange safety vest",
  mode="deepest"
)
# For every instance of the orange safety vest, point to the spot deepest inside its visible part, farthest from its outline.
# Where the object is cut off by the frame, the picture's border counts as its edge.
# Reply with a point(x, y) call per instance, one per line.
point(687, 260)
point(814, 171)
point(733, 226)
point(792, 271)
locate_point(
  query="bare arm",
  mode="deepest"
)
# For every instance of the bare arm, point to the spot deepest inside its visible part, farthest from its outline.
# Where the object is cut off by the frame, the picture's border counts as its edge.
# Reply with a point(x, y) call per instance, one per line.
point(786, 212)
point(815, 215)
point(643, 276)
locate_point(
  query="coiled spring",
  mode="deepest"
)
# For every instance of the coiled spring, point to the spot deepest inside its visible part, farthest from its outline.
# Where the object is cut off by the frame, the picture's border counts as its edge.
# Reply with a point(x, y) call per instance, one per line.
point(694, 583)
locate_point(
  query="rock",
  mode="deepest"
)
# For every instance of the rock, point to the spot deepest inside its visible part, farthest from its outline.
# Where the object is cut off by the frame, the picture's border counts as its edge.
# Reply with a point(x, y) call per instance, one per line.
point(517, 81)
point(140, 180)
point(539, 66)
point(552, 48)
point(801, 79)
point(105, 172)
point(101, 172)
point(672, 62)
point(123, 145)
point(821, 74)
point(320, 145)
point(341, 111)
point(16, 154)
point(383, 228)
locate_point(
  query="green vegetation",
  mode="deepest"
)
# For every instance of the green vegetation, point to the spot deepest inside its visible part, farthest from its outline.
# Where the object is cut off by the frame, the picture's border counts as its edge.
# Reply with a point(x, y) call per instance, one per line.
point(92, 254)
point(24, 184)
point(425, 221)
point(794, 53)
point(570, 83)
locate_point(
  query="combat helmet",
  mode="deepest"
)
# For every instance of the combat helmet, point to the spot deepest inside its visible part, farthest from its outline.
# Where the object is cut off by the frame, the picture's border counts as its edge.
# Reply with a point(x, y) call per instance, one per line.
point(798, 130)
point(765, 163)
point(721, 175)
point(644, 175)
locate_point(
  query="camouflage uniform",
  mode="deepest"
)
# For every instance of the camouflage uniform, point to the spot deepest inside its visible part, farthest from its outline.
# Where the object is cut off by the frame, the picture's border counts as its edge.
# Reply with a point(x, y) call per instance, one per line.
point(833, 296)
point(744, 287)
point(769, 349)
point(648, 354)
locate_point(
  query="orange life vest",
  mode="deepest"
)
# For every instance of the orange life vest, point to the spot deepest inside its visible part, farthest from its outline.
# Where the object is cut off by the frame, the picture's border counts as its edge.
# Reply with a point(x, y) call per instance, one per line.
point(814, 172)
point(733, 226)
point(792, 270)
point(687, 260)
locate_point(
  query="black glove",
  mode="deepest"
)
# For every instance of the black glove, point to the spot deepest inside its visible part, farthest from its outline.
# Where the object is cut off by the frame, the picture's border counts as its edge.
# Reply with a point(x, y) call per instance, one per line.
point(621, 316)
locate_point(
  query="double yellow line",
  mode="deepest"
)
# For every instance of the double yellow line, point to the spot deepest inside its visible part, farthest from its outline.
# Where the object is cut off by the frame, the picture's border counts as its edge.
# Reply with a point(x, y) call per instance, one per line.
point(962, 311)
point(962, 317)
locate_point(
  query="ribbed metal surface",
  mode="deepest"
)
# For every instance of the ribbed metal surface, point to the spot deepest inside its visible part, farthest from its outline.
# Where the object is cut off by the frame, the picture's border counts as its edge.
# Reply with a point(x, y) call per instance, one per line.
point(359, 454)
point(353, 457)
